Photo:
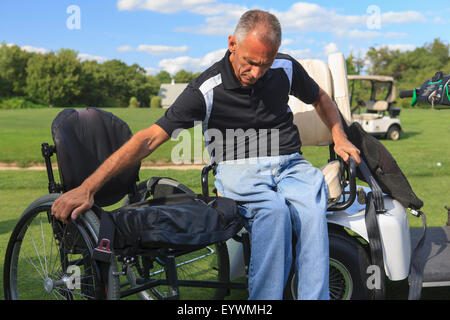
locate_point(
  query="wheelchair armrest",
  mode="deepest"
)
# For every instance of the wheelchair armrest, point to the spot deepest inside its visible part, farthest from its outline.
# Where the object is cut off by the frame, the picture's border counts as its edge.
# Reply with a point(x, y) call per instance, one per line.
point(351, 175)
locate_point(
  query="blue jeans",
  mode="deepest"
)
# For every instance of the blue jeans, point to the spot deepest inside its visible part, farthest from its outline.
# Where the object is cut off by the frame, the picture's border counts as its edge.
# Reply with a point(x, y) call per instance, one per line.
point(277, 195)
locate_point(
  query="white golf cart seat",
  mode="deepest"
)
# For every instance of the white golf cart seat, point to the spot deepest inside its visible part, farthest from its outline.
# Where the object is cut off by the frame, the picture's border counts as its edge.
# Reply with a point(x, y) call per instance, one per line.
point(379, 105)
point(313, 132)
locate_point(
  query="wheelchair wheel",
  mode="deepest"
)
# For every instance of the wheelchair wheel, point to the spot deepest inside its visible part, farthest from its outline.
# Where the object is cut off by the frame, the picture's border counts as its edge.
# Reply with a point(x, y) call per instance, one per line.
point(207, 264)
point(46, 259)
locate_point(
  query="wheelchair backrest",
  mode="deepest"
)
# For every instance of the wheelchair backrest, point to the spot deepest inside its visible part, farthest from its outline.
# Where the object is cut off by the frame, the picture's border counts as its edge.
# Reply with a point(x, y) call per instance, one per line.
point(332, 78)
point(84, 138)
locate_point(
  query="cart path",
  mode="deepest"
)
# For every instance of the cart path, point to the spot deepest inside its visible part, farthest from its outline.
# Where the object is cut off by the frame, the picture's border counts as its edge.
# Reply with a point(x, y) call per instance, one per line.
point(35, 167)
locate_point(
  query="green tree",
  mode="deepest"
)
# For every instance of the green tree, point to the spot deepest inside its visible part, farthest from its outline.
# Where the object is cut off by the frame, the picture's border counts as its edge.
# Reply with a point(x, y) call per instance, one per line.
point(13, 75)
point(183, 76)
point(54, 79)
point(155, 102)
point(163, 77)
point(351, 63)
point(134, 103)
point(94, 84)
point(5, 87)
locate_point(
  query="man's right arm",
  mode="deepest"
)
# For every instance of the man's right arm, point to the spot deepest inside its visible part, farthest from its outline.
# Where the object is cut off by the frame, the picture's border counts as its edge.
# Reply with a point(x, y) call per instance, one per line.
point(141, 145)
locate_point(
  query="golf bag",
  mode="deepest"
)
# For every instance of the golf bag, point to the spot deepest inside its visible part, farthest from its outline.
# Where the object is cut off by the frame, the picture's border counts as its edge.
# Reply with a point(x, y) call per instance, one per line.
point(434, 91)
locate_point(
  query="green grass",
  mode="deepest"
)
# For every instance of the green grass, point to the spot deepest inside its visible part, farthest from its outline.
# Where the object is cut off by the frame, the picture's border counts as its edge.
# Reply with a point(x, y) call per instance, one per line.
point(424, 143)
point(23, 131)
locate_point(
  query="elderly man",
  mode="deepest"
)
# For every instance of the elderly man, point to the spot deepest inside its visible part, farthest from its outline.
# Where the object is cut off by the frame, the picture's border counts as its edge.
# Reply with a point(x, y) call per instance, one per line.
point(279, 191)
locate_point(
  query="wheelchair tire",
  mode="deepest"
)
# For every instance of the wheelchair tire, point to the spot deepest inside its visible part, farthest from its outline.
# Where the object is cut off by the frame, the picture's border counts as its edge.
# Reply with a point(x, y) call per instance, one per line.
point(46, 259)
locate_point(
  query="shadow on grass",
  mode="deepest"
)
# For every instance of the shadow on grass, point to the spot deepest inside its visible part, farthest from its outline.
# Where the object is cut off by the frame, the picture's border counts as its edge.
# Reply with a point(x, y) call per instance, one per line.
point(409, 134)
point(7, 226)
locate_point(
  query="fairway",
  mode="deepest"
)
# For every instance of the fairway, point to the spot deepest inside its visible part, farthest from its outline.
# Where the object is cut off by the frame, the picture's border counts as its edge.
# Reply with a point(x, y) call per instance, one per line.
point(423, 153)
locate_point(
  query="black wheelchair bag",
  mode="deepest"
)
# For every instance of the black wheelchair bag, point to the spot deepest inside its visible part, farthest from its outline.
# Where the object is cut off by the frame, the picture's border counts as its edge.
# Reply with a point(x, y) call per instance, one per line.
point(179, 221)
point(383, 167)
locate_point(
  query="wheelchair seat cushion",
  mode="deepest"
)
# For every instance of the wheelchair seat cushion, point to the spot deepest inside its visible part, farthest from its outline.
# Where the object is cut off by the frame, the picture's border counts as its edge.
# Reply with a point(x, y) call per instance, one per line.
point(176, 221)
point(84, 139)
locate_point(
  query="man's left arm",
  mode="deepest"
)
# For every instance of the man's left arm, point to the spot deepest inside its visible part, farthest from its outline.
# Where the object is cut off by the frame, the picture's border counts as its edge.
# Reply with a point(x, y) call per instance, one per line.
point(329, 114)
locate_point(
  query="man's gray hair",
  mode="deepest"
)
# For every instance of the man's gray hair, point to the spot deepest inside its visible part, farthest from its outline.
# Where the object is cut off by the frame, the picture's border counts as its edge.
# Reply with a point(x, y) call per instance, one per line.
point(252, 19)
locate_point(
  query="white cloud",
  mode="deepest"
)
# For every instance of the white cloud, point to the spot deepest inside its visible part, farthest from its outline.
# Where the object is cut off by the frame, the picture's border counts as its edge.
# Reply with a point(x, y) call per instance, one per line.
point(151, 70)
point(86, 56)
point(330, 48)
point(368, 34)
point(31, 49)
point(156, 50)
point(439, 20)
point(193, 64)
point(402, 17)
point(221, 19)
point(298, 54)
point(396, 35)
point(81, 56)
point(305, 17)
point(357, 34)
point(286, 41)
point(163, 6)
point(124, 48)
point(299, 17)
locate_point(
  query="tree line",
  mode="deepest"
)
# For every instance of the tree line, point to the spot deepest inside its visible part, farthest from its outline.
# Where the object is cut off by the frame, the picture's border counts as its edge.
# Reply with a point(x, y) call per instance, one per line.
point(62, 79)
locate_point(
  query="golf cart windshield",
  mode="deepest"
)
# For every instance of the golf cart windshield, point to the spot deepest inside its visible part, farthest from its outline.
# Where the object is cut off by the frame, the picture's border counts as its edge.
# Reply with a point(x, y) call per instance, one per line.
point(366, 90)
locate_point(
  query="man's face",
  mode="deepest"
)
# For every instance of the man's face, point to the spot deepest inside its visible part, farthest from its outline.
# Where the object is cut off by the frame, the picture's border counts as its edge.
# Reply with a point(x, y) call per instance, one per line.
point(251, 58)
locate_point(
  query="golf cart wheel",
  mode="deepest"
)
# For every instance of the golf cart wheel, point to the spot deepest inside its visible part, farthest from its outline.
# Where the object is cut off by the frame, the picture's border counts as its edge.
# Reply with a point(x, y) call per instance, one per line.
point(393, 133)
point(348, 266)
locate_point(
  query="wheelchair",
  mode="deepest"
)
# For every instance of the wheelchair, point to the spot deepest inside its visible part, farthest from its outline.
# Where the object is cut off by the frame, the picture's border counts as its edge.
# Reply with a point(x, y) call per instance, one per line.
point(46, 259)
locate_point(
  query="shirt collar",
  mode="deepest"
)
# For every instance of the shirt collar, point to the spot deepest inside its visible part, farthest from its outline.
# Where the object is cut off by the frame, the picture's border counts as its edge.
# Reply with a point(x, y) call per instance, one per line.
point(228, 77)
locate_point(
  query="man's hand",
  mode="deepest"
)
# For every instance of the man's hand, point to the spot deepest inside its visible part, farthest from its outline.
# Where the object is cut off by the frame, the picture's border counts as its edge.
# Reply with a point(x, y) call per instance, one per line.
point(345, 149)
point(72, 204)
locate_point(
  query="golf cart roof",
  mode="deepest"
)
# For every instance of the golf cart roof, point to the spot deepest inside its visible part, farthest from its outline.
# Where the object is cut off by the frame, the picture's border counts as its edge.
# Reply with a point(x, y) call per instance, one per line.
point(371, 78)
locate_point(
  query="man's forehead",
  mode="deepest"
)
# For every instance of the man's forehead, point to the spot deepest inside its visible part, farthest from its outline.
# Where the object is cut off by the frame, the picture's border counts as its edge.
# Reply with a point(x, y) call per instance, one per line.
point(255, 50)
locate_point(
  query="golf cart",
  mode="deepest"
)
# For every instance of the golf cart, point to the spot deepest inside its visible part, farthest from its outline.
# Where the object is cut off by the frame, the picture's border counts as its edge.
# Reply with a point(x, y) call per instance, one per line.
point(380, 118)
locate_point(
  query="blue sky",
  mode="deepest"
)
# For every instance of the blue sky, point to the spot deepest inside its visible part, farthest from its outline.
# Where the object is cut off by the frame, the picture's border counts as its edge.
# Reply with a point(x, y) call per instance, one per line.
point(192, 34)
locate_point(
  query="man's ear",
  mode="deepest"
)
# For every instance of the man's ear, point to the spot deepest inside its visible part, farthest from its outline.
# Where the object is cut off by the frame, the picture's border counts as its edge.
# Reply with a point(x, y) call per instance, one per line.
point(232, 43)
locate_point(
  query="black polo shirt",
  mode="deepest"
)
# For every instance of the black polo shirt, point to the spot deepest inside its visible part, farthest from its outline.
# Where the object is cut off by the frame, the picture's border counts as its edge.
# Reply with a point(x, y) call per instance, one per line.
point(241, 122)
